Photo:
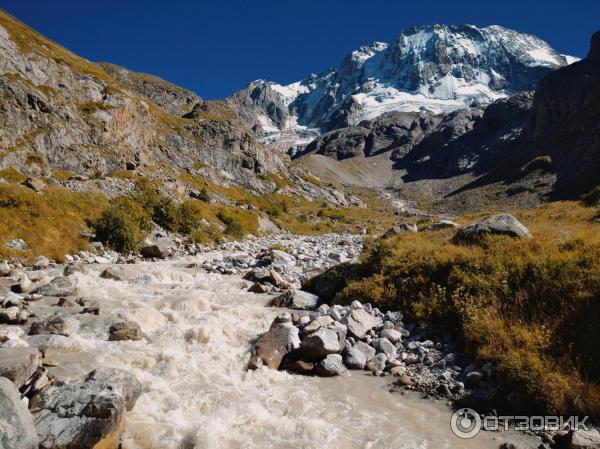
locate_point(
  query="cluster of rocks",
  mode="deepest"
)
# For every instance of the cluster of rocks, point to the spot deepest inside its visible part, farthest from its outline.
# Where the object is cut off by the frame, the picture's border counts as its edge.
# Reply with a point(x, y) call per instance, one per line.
point(283, 261)
point(331, 340)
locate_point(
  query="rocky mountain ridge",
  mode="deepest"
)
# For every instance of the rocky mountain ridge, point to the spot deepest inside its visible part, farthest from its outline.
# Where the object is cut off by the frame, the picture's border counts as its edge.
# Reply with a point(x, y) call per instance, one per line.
point(436, 68)
point(62, 113)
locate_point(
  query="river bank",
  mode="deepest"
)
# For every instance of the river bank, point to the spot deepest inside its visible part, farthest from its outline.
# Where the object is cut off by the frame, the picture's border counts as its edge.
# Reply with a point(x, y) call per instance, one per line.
point(188, 334)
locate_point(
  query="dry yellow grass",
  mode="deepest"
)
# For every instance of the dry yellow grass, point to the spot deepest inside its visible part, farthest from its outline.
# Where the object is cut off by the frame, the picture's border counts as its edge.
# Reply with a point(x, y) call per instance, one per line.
point(50, 223)
point(531, 306)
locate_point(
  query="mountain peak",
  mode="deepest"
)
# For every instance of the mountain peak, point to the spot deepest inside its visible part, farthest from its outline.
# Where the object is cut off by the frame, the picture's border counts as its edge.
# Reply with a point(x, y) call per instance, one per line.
point(437, 68)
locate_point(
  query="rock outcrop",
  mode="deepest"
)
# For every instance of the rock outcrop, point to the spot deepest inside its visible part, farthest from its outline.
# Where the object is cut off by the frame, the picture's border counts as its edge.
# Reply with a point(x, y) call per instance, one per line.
point(85, 414)
point(16, 423)
point(66, 113)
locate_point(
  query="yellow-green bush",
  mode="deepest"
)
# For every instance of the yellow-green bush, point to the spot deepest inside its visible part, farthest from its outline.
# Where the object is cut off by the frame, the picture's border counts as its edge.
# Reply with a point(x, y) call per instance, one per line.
point(238, 223)
point(123, 225)
point(532, 306)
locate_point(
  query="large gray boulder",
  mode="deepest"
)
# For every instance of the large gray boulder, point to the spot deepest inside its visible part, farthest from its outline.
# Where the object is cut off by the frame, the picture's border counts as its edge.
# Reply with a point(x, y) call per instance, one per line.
point(331, 366)
point(87, 413)
point(322, 342)
point(354, 359)
point(16, 423)
point(359, 321)
point(501, 224)
point(18, 364)
point(296, 299)
point(281, 339)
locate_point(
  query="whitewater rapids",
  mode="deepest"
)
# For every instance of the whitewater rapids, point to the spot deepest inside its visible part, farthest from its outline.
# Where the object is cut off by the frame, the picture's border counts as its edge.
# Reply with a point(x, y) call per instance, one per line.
point(198, 333)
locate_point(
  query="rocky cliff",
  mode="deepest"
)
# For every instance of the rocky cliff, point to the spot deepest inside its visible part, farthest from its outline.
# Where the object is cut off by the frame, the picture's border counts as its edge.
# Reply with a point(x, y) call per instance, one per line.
point(60, 112)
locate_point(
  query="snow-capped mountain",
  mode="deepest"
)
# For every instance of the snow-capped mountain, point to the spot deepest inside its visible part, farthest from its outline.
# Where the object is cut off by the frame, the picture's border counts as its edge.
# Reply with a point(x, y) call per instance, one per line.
point(435, 68)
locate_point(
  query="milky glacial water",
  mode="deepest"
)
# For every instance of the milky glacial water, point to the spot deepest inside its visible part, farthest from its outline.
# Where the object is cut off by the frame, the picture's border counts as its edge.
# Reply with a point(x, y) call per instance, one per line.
point(198, 331)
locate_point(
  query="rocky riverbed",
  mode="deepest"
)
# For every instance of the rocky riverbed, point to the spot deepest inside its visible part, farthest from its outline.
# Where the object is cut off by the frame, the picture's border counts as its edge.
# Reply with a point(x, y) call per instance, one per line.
point(167, 343)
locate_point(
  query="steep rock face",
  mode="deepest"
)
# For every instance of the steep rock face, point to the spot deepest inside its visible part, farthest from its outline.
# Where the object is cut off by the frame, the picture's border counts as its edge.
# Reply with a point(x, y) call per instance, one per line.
point(62, 112)
point(425, 145)
point(397, 131)
point(436, 68)
point(564, 125)
point(173, 99)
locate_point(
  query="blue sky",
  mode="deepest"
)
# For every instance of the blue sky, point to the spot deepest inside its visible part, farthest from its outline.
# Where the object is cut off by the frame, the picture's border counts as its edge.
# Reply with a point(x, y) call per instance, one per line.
point(216, 47)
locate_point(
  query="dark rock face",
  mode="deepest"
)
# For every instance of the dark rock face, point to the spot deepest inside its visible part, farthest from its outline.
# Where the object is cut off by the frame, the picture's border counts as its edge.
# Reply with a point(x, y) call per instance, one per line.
point(85, 413)
point(564, 124)
point(398, 131)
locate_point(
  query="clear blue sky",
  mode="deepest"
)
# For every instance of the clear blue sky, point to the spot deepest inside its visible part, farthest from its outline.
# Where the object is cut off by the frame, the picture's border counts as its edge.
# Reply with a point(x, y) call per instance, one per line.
point(216, 47)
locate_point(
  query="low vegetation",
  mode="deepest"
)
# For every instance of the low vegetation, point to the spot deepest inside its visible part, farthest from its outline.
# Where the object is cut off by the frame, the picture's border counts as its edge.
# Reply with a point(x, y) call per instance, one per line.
point(531, 306)
point(50, 224)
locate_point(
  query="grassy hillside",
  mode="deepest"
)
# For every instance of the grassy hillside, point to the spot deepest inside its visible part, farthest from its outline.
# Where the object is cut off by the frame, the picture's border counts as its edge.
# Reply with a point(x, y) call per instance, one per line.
point(531, 306)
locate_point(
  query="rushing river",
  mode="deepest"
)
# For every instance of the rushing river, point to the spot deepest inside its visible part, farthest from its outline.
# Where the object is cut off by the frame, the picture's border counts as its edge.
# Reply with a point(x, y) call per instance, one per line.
point(199, 330)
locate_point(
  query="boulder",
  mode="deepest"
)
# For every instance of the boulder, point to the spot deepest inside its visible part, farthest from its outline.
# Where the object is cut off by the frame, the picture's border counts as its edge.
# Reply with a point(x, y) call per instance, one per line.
point(444, 224)
point(400, 228)
point(585, 439)
point(322, 342)
point(16, 423)
point(281, 339)
point(35, 184)
point(18, 244)
point(54, 324)
point(4, 269)
point(377, 363)
point(258, 289)
point(282, 259)
point(474, 377)
point(391, 334)
point(359, 321)
point(385, 346)
point(60, 286)
point(23, 284)
point(13, 315)
point(159, 249)
point(502, 224)
point(317, 322)
point(296, 299)
point(89, 413)
point(124, 330)
point(331, 366)
point(366, 349)
point(18, 364)
point(355, 359)
point(113, 273)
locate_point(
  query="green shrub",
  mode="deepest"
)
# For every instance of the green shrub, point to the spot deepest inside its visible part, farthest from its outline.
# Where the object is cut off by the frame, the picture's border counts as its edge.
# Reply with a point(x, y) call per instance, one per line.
point(191, 214)
point(238, 223)
point(205, 236)
point(166, 214)
point(123, 225)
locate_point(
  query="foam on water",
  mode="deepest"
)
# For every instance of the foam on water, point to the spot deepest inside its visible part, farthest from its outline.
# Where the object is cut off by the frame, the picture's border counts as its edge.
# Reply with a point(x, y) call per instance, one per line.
point(199, 330)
